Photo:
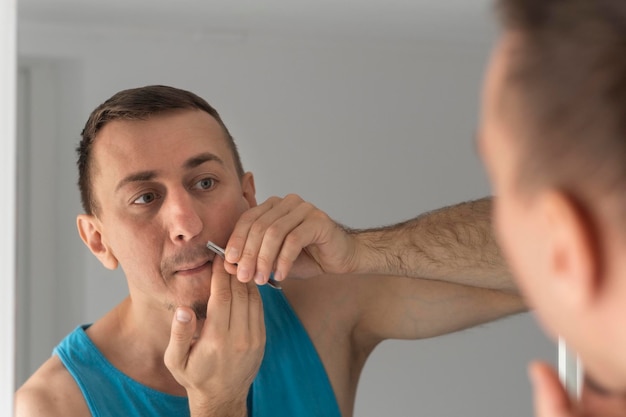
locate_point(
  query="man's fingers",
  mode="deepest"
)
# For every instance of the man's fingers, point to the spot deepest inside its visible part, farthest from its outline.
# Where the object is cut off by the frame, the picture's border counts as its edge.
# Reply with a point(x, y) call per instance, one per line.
point(239, 236)
point(551, 399)
point(219, 305)
point(270, 237)
point(239, 321)
point(256, 315)
point(181, 338)
point(284, 242)
point(265, 233)
point(247, 326)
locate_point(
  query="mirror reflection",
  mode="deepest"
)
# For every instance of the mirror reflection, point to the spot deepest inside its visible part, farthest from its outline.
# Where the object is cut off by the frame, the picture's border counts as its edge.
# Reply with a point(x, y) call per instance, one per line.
point(368, 113)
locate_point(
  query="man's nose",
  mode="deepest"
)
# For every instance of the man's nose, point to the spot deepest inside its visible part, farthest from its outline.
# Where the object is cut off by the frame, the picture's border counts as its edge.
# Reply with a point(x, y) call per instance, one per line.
point(182, 216)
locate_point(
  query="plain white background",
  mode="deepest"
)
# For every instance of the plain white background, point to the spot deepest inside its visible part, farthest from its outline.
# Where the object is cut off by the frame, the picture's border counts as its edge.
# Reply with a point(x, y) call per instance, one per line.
point(8, 45)
point(371, 132)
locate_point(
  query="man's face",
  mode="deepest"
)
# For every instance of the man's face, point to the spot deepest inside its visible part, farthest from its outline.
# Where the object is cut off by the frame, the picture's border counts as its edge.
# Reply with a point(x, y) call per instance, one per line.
point(164, 187)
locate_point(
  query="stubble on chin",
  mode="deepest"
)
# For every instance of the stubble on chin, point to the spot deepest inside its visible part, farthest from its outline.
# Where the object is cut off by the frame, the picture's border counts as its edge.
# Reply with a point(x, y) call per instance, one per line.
point(199, 308)
point(169, 267)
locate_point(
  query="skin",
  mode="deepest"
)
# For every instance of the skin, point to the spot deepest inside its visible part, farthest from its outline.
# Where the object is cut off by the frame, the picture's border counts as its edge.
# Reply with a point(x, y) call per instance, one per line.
point(160, 200)
point(567, 257)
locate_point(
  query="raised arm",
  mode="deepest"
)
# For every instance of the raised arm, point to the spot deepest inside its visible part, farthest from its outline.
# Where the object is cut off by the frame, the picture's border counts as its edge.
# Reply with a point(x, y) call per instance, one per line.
point(293, 238)
point(453, 244)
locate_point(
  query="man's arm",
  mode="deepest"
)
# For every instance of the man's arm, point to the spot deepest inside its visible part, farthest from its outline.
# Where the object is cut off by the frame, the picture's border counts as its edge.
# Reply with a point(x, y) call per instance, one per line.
point(453, 244)
point(292, 237)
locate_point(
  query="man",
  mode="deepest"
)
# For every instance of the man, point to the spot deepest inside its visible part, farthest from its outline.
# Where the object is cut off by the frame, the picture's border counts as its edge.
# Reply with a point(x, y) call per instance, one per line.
point(160, 176)
point(553, 138)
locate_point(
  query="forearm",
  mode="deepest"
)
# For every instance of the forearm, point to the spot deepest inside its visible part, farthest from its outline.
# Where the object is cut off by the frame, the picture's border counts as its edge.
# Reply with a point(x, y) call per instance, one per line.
point(454, 244)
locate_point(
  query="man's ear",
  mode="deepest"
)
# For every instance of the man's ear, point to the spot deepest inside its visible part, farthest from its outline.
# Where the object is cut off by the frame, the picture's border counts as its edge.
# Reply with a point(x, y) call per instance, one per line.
point(573, 254)
point(89, 230)
point(249, 190)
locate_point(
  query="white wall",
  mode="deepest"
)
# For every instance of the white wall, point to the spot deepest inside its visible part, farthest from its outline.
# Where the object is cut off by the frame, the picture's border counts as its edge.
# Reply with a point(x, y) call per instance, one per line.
point(371, 133)
point(48, 251)
point(8, 54)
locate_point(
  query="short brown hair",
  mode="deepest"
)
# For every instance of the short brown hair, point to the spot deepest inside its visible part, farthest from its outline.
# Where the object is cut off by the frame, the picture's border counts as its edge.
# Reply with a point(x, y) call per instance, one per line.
point(137, 104)
point(565, 91)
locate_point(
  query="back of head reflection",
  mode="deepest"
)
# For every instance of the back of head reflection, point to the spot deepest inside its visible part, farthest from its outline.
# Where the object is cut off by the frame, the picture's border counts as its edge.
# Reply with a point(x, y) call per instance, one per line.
point(553, 140)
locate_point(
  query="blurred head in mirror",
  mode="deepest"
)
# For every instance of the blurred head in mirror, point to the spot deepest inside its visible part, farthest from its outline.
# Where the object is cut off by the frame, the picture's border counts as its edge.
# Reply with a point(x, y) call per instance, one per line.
point(553, 139)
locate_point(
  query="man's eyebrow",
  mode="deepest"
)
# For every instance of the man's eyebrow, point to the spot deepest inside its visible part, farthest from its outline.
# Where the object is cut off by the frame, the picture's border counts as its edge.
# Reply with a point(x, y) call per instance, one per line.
point(136, 177)
point(190, 163)
point(201, 159)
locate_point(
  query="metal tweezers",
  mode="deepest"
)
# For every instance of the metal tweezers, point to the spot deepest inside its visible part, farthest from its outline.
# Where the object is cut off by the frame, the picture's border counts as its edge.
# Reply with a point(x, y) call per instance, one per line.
point(218, 250)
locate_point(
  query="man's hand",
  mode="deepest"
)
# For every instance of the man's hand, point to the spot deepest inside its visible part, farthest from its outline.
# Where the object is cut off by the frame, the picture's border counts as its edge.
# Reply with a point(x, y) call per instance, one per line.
point(271, 237)
point(219, 366)
point(551, 399)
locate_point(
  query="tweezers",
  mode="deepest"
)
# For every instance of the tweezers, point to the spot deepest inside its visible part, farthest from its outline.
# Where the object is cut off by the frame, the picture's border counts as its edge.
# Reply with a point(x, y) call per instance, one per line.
point(218, 250)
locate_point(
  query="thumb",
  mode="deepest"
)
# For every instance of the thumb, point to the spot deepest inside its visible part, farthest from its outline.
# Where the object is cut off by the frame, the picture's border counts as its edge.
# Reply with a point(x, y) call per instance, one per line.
point(551, 399)
point(181, 338)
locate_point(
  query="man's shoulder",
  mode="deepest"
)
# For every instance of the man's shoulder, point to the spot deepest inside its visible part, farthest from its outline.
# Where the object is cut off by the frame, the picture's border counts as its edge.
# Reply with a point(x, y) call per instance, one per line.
point(326, 299)
point(50, 391)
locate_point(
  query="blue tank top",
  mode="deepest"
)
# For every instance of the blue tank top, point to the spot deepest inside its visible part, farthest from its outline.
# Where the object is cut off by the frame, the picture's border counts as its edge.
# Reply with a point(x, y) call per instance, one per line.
point(291, 382)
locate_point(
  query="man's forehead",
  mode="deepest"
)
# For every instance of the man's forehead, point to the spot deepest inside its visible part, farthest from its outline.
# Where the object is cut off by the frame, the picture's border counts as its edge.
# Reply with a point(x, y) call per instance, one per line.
point(172, 139)
point(165, 129)
point(168, 121)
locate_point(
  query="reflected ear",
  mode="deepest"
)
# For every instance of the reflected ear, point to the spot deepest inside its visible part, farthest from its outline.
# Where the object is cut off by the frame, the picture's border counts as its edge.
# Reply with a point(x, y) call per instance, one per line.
point(249, 190)
point(89, 231)
point(573, 255)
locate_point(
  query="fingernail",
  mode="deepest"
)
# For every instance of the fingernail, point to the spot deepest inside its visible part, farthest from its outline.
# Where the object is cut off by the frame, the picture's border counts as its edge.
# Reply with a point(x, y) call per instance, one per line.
point(259, 278)
point(278, 276)
point(183, 315)
point(243, 275)
point(232, 255)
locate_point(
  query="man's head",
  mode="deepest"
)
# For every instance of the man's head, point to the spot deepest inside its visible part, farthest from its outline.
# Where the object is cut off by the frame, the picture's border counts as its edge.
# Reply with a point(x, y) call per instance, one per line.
point(137, 104)
point(159, 177)
point(553, 138)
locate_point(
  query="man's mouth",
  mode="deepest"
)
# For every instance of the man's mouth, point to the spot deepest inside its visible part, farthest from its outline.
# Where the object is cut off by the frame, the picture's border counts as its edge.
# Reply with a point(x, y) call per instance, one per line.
point(189, 262)
point(195, 267)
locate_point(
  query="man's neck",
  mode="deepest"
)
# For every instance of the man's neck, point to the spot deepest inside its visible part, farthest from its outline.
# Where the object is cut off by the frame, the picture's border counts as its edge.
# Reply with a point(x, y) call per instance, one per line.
point(136, 346)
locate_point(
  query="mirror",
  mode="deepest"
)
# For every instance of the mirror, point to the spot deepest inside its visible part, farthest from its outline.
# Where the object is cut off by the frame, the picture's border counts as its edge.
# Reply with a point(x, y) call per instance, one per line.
point(367, 111)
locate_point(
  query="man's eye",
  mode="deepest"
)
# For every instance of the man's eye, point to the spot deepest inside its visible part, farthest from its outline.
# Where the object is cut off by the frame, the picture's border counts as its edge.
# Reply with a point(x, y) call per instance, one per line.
point(205, 183)
point(146, 198)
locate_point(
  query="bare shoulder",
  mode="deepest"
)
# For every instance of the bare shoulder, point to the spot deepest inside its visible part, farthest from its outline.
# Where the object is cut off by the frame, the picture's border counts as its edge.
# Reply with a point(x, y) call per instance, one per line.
point(333, 307)
point(50, 391)
point(324, 304)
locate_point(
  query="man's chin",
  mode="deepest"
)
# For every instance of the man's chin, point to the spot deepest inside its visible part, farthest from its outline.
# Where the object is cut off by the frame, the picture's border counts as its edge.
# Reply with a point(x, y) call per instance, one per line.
point(199, 308)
